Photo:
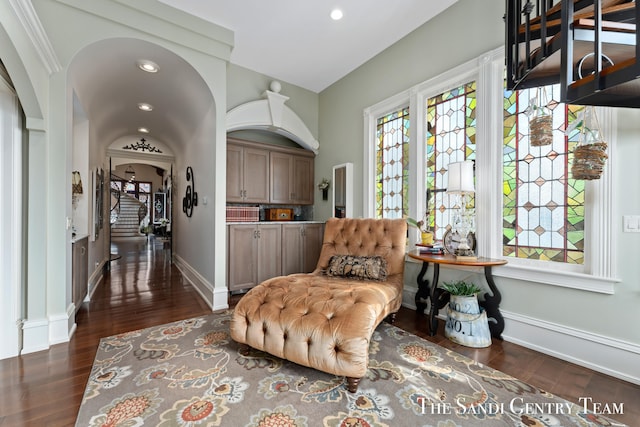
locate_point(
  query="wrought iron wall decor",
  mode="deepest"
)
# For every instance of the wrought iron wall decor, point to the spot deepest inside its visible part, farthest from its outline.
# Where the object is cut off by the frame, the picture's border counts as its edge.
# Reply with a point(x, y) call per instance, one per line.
point(98, 202)
point(142, 146)
point(191, 197)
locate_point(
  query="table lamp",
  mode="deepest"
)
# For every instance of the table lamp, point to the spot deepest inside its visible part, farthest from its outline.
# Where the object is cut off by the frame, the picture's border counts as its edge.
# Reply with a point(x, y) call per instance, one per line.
point(461, 184)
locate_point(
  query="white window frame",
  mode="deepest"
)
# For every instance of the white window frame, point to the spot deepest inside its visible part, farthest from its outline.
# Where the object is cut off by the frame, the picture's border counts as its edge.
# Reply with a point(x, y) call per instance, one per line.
point(598, 273)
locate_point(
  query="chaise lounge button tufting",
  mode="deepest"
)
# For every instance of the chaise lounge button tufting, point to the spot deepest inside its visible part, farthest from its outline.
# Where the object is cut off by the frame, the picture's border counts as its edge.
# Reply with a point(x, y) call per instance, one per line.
point(297, 305)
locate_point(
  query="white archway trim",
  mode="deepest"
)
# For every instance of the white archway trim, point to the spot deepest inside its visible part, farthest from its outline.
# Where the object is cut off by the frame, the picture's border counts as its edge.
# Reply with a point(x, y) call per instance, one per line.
point(272, 115)
point(31, 23)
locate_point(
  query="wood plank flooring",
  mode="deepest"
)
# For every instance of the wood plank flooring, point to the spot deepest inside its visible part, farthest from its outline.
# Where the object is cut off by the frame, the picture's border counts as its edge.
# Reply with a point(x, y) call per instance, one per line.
point(143, 289)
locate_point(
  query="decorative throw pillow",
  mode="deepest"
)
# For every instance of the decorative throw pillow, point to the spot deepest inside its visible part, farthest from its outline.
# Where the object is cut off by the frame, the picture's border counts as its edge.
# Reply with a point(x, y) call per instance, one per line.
point(360, 267)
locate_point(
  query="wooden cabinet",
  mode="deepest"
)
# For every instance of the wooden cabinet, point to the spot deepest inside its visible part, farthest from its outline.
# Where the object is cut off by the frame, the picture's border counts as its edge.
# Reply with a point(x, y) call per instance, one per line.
point(303, 180)
point(301, 246)
point(291, 179)
point(254, 254)
point(267, 173)
point(247, 168)
point(257, 252)
point(79, 271)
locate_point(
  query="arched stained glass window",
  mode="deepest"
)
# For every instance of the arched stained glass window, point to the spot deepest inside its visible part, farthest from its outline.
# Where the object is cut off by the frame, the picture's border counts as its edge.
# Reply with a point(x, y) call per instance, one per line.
point(451, 137)
point(543, 215)
point(392, 164)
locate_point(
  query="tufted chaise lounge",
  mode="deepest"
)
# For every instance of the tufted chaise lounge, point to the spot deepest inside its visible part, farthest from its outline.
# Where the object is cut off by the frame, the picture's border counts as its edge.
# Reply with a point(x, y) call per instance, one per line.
point(321, 321)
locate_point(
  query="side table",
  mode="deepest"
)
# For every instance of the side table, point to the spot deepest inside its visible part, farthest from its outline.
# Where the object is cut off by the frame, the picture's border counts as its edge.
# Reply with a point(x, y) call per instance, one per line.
point(440, 297)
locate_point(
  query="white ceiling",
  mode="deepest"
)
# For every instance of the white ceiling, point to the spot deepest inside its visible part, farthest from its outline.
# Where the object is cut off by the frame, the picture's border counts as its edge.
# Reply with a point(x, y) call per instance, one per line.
point(297, 42)
point(290, 40)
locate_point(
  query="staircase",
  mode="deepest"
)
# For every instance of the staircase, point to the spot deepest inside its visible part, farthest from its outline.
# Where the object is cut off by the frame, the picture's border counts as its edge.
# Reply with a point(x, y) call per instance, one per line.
point(590, 47)
point(127, 225)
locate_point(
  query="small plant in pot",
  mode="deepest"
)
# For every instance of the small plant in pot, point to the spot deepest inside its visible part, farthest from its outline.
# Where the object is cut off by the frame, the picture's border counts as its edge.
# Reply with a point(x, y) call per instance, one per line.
point(464, 296)
point(467, 323)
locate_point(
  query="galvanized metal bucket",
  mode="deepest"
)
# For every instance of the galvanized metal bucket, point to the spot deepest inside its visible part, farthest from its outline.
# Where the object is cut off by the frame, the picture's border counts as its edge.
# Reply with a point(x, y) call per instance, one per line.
point(470, 329)
point(464, 304)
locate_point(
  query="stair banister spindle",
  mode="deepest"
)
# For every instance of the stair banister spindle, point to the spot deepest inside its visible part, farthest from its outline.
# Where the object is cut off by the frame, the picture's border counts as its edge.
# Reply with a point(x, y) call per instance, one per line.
point(566, 52)
point(526, 11)
point(637, 15)
point(542, 12)
point(598, 42)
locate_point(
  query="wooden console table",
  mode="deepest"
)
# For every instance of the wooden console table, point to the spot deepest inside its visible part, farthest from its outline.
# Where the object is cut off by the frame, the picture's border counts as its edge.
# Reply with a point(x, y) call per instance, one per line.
point(439, 297)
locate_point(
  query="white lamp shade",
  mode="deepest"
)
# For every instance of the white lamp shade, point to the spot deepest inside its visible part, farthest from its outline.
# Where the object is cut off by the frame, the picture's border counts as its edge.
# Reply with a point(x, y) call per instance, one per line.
point(460, 177)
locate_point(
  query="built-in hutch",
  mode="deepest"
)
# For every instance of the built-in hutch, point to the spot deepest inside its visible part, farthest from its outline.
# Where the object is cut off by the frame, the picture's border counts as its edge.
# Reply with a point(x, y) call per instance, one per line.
point(263, 175)
point(267, 173)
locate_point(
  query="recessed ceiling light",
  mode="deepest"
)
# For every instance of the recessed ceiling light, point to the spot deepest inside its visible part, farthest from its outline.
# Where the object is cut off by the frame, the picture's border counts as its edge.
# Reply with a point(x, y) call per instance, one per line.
point(336, 14)
point(145, 107)
point(143, 130)
point(148, 66)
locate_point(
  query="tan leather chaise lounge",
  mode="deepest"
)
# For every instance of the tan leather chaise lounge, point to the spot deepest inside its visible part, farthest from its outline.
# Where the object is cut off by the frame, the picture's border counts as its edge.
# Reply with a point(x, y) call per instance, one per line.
point(325, 319)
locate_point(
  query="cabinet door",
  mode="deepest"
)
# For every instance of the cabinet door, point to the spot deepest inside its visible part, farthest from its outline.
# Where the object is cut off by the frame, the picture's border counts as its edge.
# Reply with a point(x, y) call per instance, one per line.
point(280, 179)
point(79, 271)
point(292, 245)
point(242, 256)
point(256, 173)
point(269, 251)
point(313, 235)
point(235, 171)
point(302, 180)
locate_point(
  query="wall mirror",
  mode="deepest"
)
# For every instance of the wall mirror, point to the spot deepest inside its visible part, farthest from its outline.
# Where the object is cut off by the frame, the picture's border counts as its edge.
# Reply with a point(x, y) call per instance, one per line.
point(343, 190)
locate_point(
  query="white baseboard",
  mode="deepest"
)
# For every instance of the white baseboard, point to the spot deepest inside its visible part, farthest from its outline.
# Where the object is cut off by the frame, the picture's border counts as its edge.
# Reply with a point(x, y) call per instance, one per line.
point(610, 356)
point(95, 280)
point(198, 281)
point(35, 335)
point(607, 355)
point(61, 326)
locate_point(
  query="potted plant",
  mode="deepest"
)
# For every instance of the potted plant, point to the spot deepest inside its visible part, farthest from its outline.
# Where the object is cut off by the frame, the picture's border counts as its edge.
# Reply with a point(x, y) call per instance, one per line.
point(324, 187)
point(467, 323)
point(426, 236)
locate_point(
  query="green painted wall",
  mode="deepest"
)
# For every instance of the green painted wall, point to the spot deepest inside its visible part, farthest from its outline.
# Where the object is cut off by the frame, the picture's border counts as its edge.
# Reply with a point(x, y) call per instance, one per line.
point(461, 33)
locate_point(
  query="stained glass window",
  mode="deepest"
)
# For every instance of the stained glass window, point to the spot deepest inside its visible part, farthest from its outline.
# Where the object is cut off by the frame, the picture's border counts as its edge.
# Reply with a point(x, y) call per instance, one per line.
point(543, 215)
point(451, 137)
point(392, 164)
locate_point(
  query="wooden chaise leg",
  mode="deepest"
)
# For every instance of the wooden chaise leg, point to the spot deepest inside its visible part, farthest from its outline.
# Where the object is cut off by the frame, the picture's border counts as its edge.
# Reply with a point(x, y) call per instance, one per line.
point(352, 384)
point(391, 318)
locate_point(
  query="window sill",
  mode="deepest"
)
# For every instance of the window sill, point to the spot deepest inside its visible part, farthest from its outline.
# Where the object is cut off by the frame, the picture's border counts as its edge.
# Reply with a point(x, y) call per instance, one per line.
point(581, 281)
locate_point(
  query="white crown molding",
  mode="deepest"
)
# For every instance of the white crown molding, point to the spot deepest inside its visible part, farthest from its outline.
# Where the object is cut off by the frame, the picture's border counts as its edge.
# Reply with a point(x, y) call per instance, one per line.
point(33, 27)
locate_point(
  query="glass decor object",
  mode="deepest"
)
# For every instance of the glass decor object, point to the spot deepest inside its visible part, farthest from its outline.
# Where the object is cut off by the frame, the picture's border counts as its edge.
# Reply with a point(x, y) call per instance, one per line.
point(541, 120)
point(590, 155)
point(460, 184)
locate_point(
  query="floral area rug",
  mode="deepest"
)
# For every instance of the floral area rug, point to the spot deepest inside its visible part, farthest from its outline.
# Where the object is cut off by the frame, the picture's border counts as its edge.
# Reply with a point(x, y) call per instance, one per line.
point(191, 373)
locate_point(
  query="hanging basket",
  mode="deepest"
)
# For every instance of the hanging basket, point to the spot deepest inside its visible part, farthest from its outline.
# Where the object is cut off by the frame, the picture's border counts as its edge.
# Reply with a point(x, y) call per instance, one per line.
point(541, 120)
point(590, 156)
point(589, 161)
point(541, 131)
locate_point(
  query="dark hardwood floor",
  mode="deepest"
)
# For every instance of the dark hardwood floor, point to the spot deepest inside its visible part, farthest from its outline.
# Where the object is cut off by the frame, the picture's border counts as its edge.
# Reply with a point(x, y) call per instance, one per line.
point(143, 289)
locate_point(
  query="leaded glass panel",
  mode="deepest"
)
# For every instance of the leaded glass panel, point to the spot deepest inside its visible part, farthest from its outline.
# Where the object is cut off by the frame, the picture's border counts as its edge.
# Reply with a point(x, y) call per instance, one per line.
point(451, 137)
point(543, 213)
point(392, 164)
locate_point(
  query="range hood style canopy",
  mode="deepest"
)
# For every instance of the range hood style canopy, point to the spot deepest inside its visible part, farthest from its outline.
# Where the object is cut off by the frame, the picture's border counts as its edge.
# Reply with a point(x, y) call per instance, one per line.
point(272, 115)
